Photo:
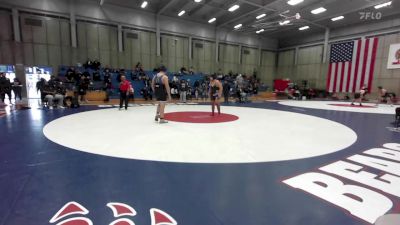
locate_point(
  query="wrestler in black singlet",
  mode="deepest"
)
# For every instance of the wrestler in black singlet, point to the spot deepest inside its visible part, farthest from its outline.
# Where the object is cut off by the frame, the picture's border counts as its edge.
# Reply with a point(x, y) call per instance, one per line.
point(159, 88)
point(214, 92)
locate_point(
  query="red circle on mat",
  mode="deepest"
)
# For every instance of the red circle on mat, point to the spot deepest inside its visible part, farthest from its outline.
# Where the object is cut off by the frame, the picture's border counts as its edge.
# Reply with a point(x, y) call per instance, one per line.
point(353, 106)
point(199, 117)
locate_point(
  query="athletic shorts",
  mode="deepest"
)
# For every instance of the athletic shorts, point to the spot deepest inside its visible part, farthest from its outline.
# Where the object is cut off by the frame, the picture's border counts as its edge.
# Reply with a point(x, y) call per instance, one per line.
point(162, 98)
point(213, 98)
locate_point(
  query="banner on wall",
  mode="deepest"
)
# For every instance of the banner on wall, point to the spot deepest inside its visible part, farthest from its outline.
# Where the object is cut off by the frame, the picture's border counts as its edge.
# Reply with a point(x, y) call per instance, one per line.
point(394, 57)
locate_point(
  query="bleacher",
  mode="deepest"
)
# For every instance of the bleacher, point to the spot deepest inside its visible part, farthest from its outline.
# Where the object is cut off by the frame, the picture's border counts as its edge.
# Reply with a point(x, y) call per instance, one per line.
point(137, 84)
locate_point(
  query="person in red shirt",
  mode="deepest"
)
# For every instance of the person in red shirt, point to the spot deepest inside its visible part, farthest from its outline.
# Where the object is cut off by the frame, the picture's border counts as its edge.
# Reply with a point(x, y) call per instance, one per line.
point(125, 88)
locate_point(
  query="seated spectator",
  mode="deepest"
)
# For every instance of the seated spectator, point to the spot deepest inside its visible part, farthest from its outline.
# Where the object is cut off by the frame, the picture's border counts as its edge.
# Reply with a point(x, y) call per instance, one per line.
point(174, 93)
point(77, 76)
point(96, 76)
point(289, 93)
point(96, 65)
point(107, 70)
point(138, 72)
point(175, 79)
point(88, 64)
point(48, 94)
point(60, 91)
point(312, 94)
point(146, 92)
point(70, 75)
point(147, 81)
point(86, 74)
point(183, 71)
point(121, 72)
point(241, 95)
point(196, 84)
point(54, 92)
point(191, 70)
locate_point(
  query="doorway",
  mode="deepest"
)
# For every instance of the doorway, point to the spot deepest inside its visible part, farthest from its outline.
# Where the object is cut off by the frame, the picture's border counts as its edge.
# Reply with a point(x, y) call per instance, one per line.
point(33, 75)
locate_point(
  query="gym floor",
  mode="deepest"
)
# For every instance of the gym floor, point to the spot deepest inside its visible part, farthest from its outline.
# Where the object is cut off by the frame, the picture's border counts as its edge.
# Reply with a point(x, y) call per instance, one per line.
point(245, 166)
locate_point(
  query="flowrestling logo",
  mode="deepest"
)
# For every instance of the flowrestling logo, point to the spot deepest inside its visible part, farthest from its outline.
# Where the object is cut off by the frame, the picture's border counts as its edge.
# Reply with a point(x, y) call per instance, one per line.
point(367, 185)
point(73, 213)
point(370, 15)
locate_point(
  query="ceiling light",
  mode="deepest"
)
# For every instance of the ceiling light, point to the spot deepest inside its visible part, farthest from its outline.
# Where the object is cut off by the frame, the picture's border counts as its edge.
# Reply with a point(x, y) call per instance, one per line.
point(383, 5)
point(337, 18)
point(144, 4)
point(181, 13)
point(233, 8)
point(284, 22)
point(304, 28)
point(212, 20)
point(197, 1)
point(318, 11)
point(294, 2)
point(261, 16)
point(259, 31)
point(238, 26)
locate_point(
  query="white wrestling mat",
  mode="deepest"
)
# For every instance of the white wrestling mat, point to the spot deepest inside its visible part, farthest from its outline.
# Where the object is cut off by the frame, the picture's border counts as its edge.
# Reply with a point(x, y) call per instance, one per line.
point(342, 106)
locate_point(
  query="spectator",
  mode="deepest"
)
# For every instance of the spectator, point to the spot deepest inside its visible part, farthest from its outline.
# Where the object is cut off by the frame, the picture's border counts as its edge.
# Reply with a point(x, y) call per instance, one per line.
point(60, 92)
point(204, 91)
point(197, 92)
point(183, 71)
point(88, 64)
point(174, 93)
point(189, 91)
point(83, 86)
point(107, 86)
point(70, 75)
point(196, 84)
point(312, 94)
point(39, 87)
point(121, 72)
point(146, 93)
point(54, 91)
point(17, 89)
point(183, 91)
point(96, 65)
point(138, 72)
point(96, 76)
point(48, 92)
point(226, 91)
point(191, 70)
point(77, 76)
point(241, 95)
point(5, 87)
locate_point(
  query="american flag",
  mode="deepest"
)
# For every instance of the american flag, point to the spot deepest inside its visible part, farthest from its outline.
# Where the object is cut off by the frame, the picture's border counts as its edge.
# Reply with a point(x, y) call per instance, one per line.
point(352, 65)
